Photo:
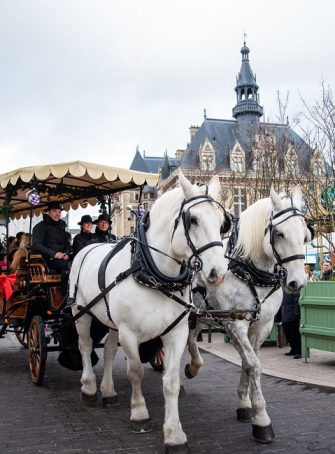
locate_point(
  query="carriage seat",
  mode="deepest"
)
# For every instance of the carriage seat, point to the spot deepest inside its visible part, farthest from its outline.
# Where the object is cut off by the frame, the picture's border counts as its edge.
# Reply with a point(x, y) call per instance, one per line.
point(40, 273)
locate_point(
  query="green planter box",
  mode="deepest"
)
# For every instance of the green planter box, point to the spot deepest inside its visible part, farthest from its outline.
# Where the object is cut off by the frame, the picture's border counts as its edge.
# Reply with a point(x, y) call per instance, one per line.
point(317, 324)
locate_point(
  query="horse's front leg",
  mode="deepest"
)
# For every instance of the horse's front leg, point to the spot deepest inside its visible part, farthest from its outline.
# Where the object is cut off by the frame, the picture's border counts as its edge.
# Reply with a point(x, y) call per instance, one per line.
point(139, 418)
point(251, 373)
point(88, 380)
point(109, 395)
point(174, 438)
point(192, 369)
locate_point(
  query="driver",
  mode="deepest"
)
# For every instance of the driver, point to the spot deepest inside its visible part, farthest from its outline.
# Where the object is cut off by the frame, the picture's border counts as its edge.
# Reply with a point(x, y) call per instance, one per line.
point(50, 240)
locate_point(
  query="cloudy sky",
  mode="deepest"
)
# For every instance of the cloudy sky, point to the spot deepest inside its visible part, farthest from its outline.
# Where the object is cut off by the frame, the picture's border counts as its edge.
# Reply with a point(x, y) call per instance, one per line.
point(91, 79)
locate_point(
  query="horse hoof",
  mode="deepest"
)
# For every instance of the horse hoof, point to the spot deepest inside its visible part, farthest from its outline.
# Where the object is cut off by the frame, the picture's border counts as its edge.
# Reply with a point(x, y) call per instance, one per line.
point(182, 392)
point(112, 401)
point(176, 449)
point(140, 427)
point(89, 399)
point(263, 434)
point(187, 372)
point(244, 414)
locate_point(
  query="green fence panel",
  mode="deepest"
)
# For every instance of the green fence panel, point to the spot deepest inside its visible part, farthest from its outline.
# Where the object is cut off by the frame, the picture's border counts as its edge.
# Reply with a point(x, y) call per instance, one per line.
point(317, 324)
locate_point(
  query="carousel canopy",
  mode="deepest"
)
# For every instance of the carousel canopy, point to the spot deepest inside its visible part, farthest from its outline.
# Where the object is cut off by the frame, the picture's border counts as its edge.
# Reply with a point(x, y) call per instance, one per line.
point(71, 183)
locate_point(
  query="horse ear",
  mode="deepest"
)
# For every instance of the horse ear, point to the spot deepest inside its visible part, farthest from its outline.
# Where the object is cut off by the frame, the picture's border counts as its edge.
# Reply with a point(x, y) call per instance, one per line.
point(186, 186)
point(275, 200)
point(214, 187)
point(297, 196)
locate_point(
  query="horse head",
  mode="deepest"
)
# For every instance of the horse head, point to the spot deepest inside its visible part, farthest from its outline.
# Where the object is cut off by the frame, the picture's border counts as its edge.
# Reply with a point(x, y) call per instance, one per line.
point(195, 220)
point(285, 237)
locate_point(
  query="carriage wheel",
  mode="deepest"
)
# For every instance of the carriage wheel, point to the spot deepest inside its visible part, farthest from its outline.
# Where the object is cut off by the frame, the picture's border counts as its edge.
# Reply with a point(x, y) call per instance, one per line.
point(21, 333)
point(37, 350)
point(157, 361)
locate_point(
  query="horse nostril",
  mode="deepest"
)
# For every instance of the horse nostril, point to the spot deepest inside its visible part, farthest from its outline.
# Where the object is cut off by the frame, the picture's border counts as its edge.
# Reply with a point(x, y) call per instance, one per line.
point(213, 275)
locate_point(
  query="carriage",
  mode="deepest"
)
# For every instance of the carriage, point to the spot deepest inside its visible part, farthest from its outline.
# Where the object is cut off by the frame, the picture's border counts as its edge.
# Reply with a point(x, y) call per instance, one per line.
point(32, 305)
point(178, 241)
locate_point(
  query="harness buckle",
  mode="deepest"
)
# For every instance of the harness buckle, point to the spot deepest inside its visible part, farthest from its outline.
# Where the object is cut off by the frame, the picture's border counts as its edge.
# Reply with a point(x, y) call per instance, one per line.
point(197, 265)
point(282, 273)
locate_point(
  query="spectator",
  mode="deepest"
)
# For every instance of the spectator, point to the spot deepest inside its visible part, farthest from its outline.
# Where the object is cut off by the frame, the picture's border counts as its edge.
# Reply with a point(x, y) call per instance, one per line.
point(26, 240)
point(3, 259)
point(15, 245)
point(50, 240)
point(327, 270)
point(101, 234)
point(85, 236)
point(290, 310)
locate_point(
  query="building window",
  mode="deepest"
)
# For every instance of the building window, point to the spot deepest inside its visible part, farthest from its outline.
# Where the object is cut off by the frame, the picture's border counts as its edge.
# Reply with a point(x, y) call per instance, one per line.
point(239, 201)
point(145, 195)
point(291, 167)
point(132, 230)
point(237, 164)
point(207, 162)
point(266, 161)
point(145, 206)
point(317, 169)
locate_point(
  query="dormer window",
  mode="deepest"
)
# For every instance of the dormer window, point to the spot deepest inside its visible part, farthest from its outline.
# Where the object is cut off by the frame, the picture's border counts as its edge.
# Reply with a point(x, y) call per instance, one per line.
point(237, 158)
point(317, 170)
point(207, 162)
point(207, 156)
point(237, 164)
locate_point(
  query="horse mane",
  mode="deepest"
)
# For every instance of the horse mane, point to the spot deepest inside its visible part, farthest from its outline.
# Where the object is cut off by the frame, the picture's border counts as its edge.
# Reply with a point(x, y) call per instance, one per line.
point(253, 223)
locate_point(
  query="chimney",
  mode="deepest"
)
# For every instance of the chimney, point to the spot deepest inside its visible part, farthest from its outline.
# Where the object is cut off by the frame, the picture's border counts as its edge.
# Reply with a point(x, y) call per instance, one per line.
point(193, 131)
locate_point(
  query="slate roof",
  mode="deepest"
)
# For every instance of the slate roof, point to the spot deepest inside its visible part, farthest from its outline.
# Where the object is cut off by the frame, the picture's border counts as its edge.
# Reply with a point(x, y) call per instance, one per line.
point(223, 133)
point(151, 164)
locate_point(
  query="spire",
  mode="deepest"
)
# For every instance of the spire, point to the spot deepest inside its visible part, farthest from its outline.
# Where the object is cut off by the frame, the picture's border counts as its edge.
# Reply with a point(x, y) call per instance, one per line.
point(247, 106)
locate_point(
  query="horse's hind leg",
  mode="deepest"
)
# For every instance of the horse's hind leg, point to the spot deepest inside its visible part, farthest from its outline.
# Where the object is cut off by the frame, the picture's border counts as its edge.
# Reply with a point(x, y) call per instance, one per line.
point(85, 344)
point(192, 369)
point(109, 396)
point(261, 423)
point(139, 418)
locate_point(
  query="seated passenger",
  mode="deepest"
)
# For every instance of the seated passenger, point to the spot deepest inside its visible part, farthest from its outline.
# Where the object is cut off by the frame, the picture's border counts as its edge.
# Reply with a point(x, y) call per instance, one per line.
point(101, 234)
point(50, 240)
point(14, 246)
point(85, 236)
point(26, 240)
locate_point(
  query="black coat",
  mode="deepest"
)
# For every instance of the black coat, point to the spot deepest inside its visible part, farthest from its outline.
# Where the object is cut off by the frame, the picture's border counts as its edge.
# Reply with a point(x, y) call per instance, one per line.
point(290, 307)
point(81, 240)
point(103, 237)
point(49, 237)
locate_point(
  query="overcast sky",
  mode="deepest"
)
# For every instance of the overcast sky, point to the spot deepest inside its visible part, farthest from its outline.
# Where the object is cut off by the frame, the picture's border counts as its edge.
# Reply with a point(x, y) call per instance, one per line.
point(89, 80)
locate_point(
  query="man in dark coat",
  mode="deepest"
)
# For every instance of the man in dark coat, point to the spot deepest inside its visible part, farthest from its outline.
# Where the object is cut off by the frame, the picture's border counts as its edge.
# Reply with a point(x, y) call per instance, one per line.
point(101, 234)
point(49, 239)
point(85, 236)
point(290, 309)
point(327, 270)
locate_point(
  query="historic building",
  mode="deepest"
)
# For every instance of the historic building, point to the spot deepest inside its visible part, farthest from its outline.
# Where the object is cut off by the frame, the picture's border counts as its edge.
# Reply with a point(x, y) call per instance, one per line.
point(247, 153)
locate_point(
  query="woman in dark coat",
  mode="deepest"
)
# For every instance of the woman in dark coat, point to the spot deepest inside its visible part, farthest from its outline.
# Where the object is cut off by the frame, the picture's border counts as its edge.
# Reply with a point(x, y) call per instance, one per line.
point(290, 310)
point(101, 234)
point(85, 236)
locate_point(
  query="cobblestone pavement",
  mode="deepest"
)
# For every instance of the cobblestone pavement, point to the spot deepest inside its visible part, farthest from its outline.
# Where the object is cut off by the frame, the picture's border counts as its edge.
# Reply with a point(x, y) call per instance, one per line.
point(51, 418)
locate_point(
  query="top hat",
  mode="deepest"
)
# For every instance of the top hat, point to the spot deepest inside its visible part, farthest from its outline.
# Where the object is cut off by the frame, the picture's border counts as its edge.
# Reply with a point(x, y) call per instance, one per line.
point(103, 217)
point(54, 205)
point(85, 218)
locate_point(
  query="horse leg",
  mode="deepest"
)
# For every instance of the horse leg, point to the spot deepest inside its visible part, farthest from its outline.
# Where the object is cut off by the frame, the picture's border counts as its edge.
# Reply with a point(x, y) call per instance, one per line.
point(174, 438)
point(251, 373)
point(192, 369)
point(109, 395)
point(88, 380)
point(139, 417)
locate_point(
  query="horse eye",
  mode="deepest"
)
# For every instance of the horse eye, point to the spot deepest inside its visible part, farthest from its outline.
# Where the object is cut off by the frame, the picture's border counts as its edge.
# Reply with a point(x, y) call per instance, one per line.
point(280, 234)
point(194, 221)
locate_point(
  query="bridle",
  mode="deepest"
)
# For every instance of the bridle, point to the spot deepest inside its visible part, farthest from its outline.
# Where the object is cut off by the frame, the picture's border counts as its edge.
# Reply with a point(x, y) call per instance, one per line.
point(271, 229)
point(186, 218)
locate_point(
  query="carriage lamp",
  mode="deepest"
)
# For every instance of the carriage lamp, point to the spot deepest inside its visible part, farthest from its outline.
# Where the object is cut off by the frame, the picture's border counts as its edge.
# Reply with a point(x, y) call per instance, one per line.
point(23, 283)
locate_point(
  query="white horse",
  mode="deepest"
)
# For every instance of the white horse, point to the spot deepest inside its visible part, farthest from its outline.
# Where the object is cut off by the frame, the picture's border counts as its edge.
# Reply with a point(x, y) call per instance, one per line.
point(269, 255)
point(185, 226)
